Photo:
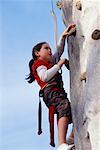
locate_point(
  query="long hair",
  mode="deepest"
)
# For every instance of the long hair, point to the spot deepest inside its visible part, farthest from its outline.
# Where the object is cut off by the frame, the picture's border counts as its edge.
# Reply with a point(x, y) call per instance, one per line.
point(37, 47)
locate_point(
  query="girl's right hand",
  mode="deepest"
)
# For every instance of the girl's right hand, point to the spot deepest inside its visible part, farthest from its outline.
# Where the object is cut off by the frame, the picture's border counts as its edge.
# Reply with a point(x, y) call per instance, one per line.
point(61, 62)
point(68, 29)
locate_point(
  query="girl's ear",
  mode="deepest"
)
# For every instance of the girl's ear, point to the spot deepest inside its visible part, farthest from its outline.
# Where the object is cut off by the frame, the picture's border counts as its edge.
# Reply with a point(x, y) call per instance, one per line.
point(37, 53)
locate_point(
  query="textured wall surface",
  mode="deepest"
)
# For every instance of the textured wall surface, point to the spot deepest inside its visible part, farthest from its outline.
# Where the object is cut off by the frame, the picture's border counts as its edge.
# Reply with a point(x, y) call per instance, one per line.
point(84, 57)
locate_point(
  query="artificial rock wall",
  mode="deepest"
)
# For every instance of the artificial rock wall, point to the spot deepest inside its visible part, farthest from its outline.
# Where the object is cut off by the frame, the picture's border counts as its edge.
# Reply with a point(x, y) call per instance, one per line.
point(84, 58)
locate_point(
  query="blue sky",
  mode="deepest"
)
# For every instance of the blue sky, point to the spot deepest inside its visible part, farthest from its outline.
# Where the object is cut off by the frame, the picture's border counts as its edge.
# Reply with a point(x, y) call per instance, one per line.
point(24, 23)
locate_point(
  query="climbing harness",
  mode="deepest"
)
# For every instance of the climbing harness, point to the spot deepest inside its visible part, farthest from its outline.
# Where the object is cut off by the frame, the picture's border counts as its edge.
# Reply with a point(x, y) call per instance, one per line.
point(51, 119)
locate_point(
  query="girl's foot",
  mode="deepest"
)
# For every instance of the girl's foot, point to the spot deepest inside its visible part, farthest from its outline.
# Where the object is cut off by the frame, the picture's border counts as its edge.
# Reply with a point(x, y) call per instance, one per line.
point(65, 147)
point(70, 147)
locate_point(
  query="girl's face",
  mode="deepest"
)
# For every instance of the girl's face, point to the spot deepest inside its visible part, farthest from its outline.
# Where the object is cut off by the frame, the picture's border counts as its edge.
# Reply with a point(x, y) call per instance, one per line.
point(45, 52)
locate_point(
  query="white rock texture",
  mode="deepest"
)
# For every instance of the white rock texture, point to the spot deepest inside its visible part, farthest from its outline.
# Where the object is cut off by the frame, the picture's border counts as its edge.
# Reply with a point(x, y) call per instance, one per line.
point(84, 56)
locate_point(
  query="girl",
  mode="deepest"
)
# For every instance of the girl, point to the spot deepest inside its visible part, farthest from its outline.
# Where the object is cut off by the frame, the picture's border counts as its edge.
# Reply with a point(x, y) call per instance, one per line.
point(44, 68)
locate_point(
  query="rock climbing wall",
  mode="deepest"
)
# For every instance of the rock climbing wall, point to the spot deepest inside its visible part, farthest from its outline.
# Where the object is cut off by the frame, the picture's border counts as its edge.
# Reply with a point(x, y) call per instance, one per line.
point(84, 58)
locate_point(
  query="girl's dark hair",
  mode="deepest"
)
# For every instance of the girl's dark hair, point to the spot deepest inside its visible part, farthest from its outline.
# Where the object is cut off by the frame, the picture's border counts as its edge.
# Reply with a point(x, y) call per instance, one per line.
point(37, 47)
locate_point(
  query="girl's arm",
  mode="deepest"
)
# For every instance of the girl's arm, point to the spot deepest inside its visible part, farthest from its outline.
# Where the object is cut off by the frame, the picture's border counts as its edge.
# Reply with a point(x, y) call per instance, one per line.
point(60, 47)
point(45, 75)
point(61, 43)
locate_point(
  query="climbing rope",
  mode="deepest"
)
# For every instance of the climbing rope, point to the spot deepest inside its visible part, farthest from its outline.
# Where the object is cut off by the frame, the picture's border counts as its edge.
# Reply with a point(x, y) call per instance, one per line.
point(55, 24)
point(55, 29)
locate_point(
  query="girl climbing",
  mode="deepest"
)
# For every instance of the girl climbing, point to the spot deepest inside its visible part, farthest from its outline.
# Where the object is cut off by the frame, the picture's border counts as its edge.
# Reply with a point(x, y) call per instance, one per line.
point(44, 68)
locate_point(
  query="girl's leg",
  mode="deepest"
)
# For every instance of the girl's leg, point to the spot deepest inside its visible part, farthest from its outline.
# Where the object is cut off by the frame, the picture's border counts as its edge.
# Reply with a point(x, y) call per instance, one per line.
point(62, 130)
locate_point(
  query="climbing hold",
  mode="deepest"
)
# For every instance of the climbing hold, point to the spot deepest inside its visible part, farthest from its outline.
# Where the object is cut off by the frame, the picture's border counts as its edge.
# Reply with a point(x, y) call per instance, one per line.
point(83, 76)
point(88, 135)
point(78, 5)
point(84, 121)
point(96, 34)
point(59, 4)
